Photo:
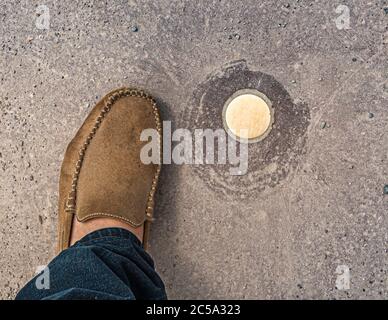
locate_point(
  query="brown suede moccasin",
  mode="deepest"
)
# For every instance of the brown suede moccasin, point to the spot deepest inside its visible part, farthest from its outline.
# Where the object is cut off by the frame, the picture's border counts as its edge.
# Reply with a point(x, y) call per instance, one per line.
point(102, 174)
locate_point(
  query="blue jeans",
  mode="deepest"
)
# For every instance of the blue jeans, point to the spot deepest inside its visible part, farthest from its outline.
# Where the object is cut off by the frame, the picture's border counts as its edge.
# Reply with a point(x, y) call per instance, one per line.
point(106, 264)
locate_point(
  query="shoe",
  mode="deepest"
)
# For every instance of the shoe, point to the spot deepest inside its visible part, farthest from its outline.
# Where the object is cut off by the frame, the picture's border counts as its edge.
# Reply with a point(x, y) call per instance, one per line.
point(102, 174)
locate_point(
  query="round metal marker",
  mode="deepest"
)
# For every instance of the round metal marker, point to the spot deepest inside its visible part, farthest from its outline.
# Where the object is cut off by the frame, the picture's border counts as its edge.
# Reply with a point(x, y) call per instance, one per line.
point(248, 115)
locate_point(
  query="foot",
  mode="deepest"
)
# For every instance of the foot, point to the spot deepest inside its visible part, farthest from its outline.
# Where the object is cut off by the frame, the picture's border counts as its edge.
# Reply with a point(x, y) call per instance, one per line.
point(103, 182)
point(81, 229)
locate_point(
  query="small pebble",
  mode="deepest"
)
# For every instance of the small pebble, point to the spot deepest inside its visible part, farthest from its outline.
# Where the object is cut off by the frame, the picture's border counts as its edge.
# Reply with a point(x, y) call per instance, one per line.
point(293, 81)
point(134, 28)
point(323, 124)
point(354, 59)
point(370, 115)
point(386, 10)
point(386, 189)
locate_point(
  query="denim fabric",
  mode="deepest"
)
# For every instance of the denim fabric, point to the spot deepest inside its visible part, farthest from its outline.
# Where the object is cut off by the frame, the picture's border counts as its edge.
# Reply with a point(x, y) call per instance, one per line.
point(106, 264)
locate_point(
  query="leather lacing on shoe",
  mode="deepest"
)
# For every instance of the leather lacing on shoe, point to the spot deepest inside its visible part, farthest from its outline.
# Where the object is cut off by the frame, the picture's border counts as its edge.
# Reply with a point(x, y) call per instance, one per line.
point(70, 205)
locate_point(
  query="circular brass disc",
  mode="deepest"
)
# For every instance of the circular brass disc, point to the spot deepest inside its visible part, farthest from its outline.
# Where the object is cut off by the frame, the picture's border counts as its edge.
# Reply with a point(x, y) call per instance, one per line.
point(248, 115)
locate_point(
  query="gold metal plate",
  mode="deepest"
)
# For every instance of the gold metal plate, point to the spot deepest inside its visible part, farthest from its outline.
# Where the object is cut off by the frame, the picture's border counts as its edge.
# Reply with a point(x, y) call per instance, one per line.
point(248, 115)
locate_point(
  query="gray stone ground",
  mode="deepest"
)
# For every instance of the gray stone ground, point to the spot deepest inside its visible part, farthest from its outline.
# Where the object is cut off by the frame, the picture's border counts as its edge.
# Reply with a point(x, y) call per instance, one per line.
point(281, 240)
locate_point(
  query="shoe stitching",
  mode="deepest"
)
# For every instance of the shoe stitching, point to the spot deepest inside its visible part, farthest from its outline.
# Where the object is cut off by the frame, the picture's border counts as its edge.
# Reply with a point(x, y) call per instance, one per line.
point(71, 199)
